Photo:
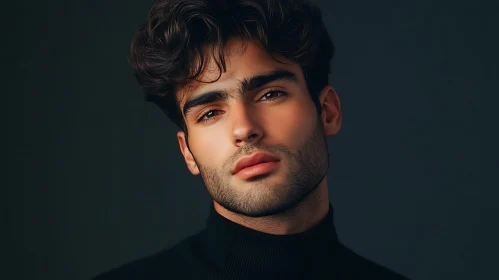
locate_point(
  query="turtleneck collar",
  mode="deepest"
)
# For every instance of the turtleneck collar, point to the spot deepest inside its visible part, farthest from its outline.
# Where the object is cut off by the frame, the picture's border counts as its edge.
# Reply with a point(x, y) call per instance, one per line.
point(238, 250)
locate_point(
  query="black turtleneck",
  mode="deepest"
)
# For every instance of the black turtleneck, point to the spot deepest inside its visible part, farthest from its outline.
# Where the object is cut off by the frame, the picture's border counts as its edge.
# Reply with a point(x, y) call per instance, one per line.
point(227, 250)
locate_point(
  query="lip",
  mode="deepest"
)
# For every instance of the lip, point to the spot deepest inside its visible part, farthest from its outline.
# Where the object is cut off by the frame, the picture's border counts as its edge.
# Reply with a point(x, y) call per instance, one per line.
point(257, 170)
point(255, 159)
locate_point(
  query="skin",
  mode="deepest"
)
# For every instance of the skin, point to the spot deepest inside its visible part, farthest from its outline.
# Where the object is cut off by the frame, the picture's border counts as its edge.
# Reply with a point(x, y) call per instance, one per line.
point(285, 122)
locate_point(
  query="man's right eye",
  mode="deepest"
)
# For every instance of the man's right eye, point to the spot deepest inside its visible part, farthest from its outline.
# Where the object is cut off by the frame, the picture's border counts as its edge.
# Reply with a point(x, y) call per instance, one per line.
point(208, 116)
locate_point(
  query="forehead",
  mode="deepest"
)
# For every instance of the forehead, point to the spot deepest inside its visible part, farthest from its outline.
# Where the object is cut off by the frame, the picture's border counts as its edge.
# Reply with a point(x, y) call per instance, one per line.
point(243, 61)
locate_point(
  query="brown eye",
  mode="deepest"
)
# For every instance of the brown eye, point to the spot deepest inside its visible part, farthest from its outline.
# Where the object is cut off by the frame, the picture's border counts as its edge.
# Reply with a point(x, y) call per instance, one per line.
point(208, 115)
point(272, 95)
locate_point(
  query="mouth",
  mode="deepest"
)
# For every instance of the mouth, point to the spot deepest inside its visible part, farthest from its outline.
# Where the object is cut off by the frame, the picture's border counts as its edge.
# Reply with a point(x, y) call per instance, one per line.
point(257, 169)
point(258, 164)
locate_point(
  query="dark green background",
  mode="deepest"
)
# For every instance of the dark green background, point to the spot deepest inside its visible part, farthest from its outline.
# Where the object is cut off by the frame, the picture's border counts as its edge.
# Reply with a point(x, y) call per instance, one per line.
point(95, 177)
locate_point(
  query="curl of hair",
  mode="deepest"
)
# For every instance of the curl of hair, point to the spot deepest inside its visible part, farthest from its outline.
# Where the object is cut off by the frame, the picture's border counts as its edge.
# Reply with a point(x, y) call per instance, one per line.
point(168, 51)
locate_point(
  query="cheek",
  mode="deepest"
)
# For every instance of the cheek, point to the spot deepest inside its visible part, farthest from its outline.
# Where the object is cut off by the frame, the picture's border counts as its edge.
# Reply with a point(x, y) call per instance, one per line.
point(208, 148)
point(292, 124)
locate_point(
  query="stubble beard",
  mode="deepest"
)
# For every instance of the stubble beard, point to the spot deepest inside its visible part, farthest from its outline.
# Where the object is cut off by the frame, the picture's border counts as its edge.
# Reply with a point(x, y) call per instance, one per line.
point(306, 169)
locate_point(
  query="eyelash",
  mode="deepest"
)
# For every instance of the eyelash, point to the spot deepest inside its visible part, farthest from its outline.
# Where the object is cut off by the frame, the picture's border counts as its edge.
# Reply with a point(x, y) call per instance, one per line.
point(200, 120)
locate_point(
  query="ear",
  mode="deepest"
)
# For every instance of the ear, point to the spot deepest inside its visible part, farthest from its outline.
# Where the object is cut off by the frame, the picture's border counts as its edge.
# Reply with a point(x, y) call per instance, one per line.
point(331, 110)
point(189, 159)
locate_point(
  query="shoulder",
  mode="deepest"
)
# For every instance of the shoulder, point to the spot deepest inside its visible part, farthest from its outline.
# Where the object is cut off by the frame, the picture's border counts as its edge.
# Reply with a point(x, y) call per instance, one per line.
point(354, 266)
point(161, 265)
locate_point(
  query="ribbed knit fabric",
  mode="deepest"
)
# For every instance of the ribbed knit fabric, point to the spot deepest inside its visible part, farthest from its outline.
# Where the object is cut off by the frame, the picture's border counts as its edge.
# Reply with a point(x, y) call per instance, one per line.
point(226, 250)
point(238, 250)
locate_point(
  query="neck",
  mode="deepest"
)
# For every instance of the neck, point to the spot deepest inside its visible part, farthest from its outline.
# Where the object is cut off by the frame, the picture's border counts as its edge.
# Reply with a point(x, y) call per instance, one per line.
point(306, 214)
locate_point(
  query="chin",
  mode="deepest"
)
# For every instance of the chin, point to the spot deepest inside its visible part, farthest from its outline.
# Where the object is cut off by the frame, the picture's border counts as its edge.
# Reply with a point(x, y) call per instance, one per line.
point(264, 202)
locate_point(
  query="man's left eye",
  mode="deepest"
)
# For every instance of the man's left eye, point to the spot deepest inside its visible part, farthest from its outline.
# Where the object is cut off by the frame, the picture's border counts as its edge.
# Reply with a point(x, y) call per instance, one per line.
point(269, 94)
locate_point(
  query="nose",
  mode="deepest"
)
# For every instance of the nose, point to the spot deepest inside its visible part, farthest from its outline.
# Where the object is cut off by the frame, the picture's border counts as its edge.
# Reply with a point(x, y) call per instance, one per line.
point(246, 128)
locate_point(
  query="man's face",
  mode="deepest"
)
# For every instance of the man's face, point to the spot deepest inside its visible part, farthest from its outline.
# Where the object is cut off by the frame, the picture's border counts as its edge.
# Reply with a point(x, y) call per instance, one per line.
point(274, 114)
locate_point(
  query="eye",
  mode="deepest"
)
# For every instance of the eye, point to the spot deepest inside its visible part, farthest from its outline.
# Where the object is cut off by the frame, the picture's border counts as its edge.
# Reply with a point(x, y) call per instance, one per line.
point(268, 95)
point(208, 116)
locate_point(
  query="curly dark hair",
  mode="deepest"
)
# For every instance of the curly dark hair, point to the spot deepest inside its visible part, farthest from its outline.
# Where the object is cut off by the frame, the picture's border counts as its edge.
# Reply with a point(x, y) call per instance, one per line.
point(167, 51)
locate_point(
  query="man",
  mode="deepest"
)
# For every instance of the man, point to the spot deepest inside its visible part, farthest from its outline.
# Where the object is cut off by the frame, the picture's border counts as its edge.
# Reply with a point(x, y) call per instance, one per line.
point(247, 84)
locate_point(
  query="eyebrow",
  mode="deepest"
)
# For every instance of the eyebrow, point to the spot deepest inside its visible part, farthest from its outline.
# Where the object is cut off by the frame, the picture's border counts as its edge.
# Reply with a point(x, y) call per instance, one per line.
point(245, 85)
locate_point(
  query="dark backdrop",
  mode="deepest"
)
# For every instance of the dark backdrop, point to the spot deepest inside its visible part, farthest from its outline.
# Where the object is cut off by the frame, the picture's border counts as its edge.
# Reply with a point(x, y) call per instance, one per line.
point(95, 177)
